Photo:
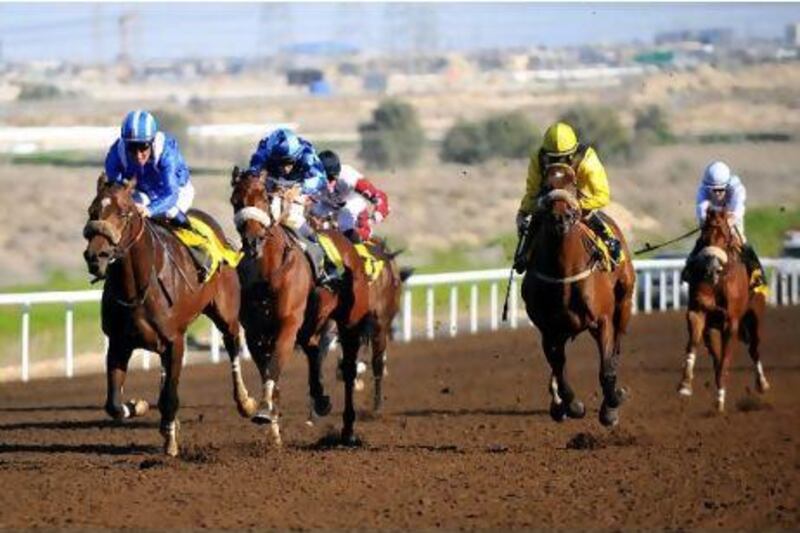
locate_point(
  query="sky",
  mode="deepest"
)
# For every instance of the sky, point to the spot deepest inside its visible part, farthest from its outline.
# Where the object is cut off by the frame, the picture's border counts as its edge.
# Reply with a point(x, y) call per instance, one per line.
point(90, 32)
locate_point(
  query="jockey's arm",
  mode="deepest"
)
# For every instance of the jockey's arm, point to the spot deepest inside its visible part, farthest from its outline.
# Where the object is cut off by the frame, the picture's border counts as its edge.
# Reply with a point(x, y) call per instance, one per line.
point(169, 167)
point(532, 187)
point(259, 158)
point(593, 183)
point(702, 204)
point(378, 198)
point(736, 203)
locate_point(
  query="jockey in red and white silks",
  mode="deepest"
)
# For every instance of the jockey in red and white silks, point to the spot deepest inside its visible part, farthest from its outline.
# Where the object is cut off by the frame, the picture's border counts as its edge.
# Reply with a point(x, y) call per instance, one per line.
point(355, 201)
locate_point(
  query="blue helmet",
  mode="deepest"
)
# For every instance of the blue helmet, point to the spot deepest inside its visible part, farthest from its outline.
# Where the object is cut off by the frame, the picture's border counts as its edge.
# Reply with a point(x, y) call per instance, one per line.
point(139, 126)
point(283, 144)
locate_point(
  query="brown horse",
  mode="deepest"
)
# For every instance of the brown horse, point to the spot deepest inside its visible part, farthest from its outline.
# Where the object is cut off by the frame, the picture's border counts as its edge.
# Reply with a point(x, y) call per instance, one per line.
point(384, 303)
point(566, 292)
point(281, 304)
point(721, 306)
point(150, 296)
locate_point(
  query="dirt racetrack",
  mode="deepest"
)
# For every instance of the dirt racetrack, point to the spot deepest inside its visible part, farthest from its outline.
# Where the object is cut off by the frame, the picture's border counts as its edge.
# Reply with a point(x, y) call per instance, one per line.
point(466, 442)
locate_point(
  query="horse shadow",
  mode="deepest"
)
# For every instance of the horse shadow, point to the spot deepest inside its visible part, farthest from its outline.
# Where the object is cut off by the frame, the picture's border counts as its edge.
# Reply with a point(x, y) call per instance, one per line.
point(93, 449)
point(474, 412)
point(80, 424)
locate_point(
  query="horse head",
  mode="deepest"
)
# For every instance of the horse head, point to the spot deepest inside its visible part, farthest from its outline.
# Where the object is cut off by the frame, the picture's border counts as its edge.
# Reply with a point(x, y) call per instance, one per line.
point(717, 238)
point(559, 198)
point(258, 205)
point(112, 214)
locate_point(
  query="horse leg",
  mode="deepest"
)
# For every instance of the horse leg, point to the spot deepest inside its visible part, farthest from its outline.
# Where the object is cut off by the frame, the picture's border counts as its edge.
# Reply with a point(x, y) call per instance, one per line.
point(753, 334)
point(168, 401)
point(729, 337)
point(609, 360)
point(714, 344)
point(269, 411)
point(351, 341)
point(230, 336)
point(320, 402)
point(117, 357)
point(563, 403)
point(695, 323)
point(379, 342)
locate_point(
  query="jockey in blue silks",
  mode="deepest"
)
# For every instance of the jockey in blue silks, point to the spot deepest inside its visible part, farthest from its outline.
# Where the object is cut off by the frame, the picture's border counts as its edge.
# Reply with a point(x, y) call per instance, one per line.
point(292, 160)
point(163, 186)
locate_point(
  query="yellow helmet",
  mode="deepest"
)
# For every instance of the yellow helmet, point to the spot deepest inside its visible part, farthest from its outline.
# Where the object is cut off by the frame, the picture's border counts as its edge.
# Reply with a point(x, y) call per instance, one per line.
point(560, 139)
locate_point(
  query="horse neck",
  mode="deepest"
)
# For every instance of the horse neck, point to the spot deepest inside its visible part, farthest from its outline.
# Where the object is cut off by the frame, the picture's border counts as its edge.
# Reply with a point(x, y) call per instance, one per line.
point(557, 255)
point(274, 253)
point(137, 265)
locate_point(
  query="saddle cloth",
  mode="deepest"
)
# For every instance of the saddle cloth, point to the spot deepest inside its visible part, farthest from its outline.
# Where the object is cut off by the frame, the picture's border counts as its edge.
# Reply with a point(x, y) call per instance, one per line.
point(372, 265)
point(203, 237)
point(607, 265)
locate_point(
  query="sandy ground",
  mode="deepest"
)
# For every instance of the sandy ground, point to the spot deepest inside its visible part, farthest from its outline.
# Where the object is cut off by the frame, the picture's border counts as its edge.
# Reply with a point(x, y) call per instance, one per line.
point(466, 442)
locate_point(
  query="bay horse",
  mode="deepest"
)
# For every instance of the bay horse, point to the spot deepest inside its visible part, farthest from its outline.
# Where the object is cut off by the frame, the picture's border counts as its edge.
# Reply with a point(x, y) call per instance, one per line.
point(150, 296)
point(721, 306)
point(566, 292)
point(282, 306)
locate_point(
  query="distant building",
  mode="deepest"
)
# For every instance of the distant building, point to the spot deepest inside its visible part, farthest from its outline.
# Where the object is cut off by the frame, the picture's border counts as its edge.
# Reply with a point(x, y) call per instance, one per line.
point(713, 36)
point(793, 34)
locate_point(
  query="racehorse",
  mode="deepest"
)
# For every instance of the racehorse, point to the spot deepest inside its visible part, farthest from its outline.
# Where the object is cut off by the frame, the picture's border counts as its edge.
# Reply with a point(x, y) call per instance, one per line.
point(721, 306)
point(566, 292)
point(150, 296)
point(281, 304)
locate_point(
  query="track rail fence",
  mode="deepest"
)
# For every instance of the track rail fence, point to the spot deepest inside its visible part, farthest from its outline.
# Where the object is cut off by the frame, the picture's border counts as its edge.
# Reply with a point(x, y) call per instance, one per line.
point(658, 288)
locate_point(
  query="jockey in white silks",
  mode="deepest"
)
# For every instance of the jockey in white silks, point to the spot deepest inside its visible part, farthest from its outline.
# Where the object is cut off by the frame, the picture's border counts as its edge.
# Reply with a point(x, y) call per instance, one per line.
point(720, 189)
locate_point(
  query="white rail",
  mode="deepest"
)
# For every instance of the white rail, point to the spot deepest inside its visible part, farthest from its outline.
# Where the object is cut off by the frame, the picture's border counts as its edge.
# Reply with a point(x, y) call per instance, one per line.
point(658, 288)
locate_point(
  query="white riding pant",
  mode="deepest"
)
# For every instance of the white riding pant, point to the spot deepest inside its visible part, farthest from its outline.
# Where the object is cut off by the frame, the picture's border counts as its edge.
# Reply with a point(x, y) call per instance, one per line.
point(354, 205)
point(183, 204)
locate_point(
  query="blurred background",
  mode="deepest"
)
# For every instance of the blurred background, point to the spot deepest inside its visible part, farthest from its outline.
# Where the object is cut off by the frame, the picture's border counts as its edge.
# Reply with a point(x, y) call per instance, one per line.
point(440, 104)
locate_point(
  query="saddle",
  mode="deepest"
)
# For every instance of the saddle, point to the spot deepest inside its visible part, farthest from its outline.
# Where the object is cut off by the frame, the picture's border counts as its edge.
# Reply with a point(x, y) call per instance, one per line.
point(208, 251)
point(599, 246)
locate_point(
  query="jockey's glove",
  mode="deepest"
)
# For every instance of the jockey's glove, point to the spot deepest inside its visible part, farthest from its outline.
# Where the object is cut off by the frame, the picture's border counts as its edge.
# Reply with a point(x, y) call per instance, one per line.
point(377, 217)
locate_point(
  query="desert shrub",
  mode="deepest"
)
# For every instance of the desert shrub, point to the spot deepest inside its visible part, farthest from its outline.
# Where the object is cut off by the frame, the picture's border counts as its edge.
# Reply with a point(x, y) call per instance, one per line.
point(600, 127)
point(175, 124)
point(394, 136)
point(465, 142)
point(652, 125)
point(38, 91)
point(508, 135)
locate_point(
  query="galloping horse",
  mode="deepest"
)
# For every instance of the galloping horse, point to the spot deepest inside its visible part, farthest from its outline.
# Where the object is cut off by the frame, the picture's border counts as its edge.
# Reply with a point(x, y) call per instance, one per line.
point(150, 296)
point(721, 306)
point(566, 292)
point(281, 305)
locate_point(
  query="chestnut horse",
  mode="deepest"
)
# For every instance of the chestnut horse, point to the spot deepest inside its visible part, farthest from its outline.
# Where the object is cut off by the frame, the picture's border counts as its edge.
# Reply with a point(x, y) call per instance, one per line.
point(385, 292)
point(150, 296)
point(566, 292)
point(281, 304)
point(721, 306)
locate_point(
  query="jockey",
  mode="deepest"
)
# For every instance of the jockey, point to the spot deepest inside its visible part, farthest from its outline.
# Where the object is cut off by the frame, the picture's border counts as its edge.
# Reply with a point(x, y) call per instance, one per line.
point(163, 187)
point(289, 158)
point(351, 195)
point(721, 189)
point(561, 145)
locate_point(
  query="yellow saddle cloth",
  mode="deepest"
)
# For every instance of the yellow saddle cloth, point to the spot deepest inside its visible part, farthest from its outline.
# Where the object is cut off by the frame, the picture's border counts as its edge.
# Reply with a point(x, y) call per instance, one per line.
point(606, 261)
point(202, 236)
point(372, 265)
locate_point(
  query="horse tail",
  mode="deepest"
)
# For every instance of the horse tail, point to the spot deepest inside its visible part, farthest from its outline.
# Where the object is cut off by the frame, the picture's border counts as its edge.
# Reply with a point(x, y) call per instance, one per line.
point(405, 273)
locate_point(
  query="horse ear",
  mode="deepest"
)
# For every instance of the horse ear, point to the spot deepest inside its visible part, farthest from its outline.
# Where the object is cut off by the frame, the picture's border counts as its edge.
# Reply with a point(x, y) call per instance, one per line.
point(236, 174)
point(102, 181)
point(263, 176)
point(130, 185)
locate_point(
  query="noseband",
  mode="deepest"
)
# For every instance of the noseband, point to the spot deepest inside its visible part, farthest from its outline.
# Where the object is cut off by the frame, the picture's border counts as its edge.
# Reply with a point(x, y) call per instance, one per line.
point(114, 235)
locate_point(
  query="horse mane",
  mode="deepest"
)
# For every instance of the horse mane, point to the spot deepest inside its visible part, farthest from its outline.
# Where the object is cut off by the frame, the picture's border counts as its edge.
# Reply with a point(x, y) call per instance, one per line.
point(563, 195)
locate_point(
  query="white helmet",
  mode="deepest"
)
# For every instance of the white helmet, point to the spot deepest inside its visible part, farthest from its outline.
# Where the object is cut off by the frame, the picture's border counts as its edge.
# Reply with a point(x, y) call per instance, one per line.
point(717, 175)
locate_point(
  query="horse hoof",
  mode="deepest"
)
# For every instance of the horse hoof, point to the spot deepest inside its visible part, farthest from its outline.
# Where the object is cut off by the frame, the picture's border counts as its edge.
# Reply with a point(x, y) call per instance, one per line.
point(609, 416)
point(558, 412)
point(248, 408)
point(261, 418)
point(350, 440)
point(171, 449)
point(576, 409)
point(322, 406)
point(762, 386)
point(358, 385)
point(137, 407)
point(685, 390)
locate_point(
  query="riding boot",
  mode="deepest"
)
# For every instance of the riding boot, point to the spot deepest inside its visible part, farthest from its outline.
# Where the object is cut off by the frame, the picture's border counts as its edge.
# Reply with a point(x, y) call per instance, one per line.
point(325, 272)
point(523, 251)
point(755, 270)
point(600, 229)
point(353, 235)
point(686, 272)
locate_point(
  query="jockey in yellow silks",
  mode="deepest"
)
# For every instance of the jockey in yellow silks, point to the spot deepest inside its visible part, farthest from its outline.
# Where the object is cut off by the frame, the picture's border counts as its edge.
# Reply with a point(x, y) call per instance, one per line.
point(560, 145)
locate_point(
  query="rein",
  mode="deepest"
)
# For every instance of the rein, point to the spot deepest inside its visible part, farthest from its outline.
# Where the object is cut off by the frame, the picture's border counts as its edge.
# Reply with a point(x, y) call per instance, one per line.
point(649, 248)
